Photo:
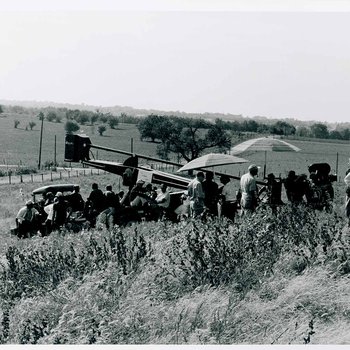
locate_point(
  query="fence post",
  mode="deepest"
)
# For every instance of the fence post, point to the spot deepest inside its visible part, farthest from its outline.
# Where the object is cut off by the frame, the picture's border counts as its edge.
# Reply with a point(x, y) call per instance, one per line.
point(60, 175)
point(98, 171)
point(31, 176)
point(10, 178)
point(42, 177)
point(91, 171)
point(21, 179)
point(51, 176)
point(84, 172)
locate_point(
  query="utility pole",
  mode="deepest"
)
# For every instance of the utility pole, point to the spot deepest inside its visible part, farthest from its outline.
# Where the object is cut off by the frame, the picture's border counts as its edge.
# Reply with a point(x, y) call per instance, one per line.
point(41, 114)
point(54, 159)
point(132, 145)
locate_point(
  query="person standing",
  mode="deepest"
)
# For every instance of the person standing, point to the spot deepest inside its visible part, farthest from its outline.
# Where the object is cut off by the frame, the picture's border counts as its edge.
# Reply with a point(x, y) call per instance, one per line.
point(347, 191)
point(95, 204)
point(59, 212)
point(249, 189)
point(196, 195)
point(26, 220)
point(228, 199)
point(210, 189)
point(75, 200)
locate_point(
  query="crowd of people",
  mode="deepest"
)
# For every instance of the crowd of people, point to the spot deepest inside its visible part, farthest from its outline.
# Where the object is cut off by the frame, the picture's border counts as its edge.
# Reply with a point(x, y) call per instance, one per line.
point(102, 209)
point(203, 197)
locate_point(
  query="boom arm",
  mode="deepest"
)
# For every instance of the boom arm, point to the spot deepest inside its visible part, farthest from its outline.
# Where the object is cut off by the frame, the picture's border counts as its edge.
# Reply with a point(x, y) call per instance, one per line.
point(77, 149)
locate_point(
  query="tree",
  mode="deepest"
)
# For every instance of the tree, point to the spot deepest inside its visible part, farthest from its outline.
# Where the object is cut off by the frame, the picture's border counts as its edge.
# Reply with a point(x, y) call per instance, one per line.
point(113, 122)
point(101, 129)
point(93, 118)
point(319, 131)
point(345, 134)
point(82, 118)
point(282, 128)
point(41, 116)
point(153, 127)
point(103, 118)
point(16, 122)
point(51, 116)
point(335, 135)
point(71, 126)
point(188, 138)
point(302, 131)
point(1, 109)
point(31, 125)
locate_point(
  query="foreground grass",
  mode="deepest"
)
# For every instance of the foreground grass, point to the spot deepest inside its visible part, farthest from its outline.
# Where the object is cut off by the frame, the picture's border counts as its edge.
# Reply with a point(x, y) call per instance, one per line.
point(265, 280)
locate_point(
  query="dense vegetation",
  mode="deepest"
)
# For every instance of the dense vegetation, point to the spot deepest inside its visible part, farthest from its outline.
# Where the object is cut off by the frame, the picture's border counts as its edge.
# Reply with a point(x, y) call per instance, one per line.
point(263, 280)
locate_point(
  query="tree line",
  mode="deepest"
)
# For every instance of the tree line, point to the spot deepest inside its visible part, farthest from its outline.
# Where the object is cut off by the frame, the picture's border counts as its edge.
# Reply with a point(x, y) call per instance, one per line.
point(189, 137)
point(87, 117)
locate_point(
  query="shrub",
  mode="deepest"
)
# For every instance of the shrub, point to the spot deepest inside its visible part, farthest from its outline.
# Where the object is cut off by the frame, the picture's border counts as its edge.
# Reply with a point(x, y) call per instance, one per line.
point(101, 129)
point(71, 126)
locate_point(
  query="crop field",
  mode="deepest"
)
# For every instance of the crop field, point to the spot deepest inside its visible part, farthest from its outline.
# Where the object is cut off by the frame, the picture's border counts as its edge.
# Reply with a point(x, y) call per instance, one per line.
point(266, 279)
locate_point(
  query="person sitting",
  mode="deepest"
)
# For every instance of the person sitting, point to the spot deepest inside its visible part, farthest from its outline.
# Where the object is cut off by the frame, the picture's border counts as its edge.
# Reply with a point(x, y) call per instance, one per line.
point(107, 216)
point(162, 201)
point(210, 189)
point(26, 220)
point(227, 205)
point(136, 194)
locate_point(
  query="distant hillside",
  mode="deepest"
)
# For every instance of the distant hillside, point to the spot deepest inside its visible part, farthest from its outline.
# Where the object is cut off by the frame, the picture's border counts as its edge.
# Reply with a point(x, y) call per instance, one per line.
point(117, 110)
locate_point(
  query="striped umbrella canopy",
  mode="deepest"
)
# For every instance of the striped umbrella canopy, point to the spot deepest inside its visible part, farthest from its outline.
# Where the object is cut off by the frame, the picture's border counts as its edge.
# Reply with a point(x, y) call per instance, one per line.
point(265, 144)
point(212, 160)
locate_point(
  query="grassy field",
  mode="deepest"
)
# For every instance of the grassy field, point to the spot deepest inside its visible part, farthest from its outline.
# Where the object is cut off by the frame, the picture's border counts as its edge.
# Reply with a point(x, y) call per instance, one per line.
point(20, 146)
point(263, 280)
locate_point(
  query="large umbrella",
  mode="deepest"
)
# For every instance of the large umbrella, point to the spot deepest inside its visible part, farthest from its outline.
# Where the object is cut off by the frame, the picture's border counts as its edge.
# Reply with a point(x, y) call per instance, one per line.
point(212, 160)
point(266, 144)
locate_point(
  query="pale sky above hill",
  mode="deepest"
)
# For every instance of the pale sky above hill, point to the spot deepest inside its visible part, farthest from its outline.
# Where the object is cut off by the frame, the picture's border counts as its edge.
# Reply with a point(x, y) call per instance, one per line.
point(240, 57)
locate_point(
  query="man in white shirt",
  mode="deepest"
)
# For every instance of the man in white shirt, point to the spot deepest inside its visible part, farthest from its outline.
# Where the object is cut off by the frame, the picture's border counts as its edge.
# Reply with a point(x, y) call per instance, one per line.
point(227, 205)
point(196, 195)
point(26, 219)
point(249, 189)
point(163, 197)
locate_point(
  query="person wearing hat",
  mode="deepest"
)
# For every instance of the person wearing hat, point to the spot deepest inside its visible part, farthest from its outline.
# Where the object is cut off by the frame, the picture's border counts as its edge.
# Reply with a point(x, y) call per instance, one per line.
point(196, 195)
point(136, 193)
point(59, 211)
point(249, 189)
point(49, 198)
point(26, 219)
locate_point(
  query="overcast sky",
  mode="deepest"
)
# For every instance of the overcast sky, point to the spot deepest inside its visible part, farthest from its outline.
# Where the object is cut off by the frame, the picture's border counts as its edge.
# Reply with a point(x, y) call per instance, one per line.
point(259, 61)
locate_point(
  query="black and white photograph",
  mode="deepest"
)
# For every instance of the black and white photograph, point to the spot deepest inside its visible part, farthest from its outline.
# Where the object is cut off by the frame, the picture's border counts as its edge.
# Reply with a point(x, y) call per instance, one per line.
point(175, 173)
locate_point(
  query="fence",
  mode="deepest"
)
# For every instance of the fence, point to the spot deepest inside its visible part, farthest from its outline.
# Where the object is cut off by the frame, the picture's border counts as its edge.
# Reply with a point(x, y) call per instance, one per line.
point(51, 176)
